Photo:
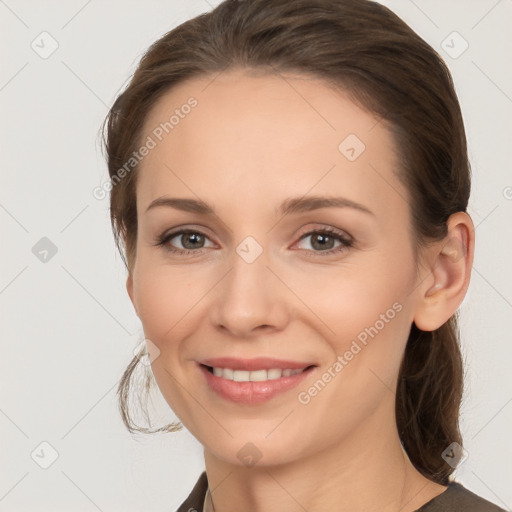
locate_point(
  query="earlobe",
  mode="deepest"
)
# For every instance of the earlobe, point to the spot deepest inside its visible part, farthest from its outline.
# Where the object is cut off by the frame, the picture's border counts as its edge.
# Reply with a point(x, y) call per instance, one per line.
point(450, 271)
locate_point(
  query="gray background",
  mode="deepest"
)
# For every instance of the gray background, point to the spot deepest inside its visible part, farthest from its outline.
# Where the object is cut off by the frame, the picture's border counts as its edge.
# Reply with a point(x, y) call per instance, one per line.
point(68, 328)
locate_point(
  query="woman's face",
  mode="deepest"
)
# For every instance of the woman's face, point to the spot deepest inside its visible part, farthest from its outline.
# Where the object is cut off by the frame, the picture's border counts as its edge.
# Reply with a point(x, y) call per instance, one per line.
point(250, 288)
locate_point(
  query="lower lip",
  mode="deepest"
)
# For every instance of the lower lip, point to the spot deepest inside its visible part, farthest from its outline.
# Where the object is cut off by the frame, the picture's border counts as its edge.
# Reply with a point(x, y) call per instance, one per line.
point(252, 392)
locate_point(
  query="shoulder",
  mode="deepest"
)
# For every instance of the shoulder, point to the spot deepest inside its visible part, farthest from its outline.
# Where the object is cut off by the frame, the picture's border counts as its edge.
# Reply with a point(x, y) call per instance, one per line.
point(195, 500)
point(457, 498)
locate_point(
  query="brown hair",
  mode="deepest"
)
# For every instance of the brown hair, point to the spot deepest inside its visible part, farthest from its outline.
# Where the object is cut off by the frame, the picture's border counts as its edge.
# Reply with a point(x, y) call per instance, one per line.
point(365, 49)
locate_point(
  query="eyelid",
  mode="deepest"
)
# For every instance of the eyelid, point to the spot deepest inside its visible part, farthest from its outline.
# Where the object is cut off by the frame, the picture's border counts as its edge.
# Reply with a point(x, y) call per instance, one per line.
point(326, 229)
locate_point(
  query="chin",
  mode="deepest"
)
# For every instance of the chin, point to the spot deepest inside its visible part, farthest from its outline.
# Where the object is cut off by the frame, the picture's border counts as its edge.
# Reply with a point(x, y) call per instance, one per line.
point(251, 448)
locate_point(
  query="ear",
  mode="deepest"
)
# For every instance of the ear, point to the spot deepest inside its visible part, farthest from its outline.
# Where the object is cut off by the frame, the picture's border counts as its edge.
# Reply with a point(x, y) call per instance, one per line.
point(449, 271)
point(129, 289)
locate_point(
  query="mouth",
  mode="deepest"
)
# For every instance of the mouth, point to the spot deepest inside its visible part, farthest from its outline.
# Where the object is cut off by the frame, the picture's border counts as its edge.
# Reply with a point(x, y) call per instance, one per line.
point(252, 381)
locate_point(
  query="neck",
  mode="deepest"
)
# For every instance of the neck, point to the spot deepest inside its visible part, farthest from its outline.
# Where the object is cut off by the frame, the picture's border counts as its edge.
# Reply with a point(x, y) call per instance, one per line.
point(369, 471)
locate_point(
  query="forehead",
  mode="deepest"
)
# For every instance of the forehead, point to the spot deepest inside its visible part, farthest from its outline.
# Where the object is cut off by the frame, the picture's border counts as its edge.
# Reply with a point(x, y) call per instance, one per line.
point(258, 135)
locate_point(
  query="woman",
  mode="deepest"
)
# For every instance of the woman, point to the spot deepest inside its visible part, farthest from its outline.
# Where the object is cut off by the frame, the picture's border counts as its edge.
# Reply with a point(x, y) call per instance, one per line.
point(290, 182)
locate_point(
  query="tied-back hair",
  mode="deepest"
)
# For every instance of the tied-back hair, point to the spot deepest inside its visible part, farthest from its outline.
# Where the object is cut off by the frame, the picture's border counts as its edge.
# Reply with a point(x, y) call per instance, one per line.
point(365, 50)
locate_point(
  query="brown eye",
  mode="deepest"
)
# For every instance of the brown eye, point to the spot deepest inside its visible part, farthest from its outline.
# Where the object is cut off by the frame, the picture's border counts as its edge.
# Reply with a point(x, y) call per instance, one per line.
point(321, 241)
point(190, 241)
point(326, 241)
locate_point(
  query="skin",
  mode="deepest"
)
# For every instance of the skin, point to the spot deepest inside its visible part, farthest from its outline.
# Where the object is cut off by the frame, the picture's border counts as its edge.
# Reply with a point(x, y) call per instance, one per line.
point(253, 141)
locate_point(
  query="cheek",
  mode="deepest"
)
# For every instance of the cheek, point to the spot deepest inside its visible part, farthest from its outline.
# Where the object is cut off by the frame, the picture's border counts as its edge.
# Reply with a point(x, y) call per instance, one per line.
point(345, 303)
point(365, 313)
point(156, 303)
point(369, 320)
point(168, 298)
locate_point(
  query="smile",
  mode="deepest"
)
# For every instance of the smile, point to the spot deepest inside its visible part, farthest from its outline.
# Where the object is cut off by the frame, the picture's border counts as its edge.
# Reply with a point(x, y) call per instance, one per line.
point(252, 381)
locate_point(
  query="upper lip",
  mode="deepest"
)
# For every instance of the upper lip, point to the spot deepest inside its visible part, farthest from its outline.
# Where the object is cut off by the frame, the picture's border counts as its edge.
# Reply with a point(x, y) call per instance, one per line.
point(258, 363)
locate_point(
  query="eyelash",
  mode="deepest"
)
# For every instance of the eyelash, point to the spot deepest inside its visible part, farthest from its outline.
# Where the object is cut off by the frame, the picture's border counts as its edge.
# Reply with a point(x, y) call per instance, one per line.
point(346, 242)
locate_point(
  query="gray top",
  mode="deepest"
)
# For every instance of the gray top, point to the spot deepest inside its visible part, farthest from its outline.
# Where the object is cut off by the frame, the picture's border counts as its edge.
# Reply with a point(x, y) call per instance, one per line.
point(456, 498)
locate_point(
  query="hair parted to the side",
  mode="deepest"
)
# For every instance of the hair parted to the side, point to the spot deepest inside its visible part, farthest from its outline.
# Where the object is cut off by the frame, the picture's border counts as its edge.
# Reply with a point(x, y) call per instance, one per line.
point(364, 49)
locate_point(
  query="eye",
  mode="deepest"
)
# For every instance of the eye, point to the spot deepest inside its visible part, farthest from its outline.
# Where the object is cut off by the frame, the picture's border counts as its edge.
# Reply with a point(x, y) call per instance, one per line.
point(191, 241)
point(323, 241)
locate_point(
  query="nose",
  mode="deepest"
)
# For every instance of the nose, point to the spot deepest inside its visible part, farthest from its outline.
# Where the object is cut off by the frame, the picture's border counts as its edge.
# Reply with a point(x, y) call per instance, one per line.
point(250, 299)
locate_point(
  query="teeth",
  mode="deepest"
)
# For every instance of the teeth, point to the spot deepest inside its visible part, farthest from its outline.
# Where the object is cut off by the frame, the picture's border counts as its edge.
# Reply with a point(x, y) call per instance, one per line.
point(241, 375)
point(255, 375)
point(274, 373)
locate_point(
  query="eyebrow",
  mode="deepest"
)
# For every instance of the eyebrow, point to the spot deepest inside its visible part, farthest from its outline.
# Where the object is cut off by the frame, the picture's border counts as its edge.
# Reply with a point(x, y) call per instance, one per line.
point(291, 205)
